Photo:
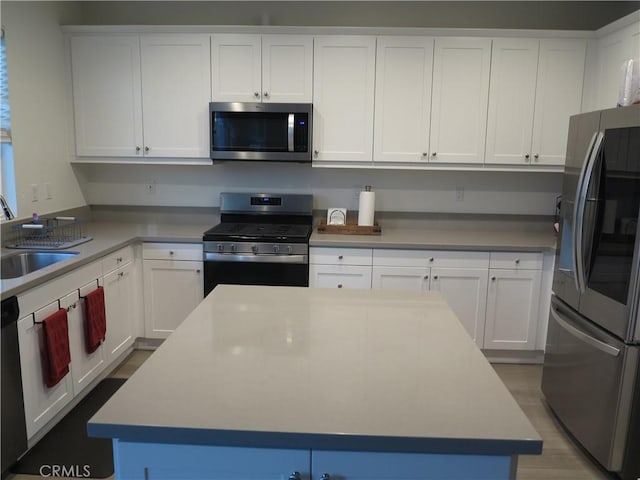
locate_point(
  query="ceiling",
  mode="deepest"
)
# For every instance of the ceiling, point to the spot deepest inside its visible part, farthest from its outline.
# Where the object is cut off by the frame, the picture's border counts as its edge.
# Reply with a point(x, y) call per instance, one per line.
point(555, 15)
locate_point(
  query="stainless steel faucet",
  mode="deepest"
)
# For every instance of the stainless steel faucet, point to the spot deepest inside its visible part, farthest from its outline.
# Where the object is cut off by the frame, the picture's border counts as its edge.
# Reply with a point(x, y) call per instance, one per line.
point(6, 210)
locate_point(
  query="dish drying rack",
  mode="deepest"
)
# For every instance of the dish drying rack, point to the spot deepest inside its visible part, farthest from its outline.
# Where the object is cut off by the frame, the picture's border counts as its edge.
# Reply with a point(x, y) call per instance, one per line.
point(49, 234)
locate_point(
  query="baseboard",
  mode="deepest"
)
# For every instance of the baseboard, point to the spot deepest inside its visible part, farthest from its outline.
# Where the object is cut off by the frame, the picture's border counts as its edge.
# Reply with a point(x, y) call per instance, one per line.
point(535, 357)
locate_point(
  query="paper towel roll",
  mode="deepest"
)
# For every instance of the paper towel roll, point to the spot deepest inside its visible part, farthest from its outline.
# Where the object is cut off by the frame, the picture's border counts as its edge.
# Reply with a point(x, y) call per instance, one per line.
point(366, 208)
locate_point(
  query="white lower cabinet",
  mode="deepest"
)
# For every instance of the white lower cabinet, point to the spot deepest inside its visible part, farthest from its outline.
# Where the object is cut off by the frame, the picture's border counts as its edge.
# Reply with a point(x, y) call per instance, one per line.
point(340, 267)
point(85, 367)
point(464, 289)
point(41, 403)
point(512, 301)
point(173, 285)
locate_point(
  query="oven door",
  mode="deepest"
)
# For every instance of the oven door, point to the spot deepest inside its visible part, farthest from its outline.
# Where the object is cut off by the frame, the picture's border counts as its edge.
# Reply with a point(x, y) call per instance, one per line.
point(278, 270)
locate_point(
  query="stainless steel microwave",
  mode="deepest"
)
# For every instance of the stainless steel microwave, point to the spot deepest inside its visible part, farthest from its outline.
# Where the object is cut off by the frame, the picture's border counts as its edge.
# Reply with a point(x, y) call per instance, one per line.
point(261, 131)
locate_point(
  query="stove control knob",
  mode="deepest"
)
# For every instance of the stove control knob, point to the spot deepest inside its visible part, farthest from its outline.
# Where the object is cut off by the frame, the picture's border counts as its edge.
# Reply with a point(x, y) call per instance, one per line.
point(289, 249)
point(220, 247)
point(233, 247)
point(276, 249)
point(254, 249)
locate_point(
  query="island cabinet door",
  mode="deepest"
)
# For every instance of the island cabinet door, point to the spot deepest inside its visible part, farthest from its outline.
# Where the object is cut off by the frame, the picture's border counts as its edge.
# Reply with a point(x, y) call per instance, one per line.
point(328, 465)
point(164, 461)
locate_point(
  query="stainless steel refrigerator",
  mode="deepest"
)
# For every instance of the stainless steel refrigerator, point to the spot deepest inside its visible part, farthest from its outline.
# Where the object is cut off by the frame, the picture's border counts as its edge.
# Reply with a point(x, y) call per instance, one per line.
point(591, 378)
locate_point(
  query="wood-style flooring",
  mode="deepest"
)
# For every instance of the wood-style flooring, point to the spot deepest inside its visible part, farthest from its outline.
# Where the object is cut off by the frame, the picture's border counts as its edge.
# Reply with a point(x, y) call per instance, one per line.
point(561, 459)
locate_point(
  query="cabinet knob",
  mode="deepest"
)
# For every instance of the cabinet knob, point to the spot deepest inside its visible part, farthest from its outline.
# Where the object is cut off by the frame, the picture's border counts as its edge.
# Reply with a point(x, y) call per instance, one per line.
point(198, 270)
point(493, 279)
point(171, 252)
point(431, 259)
point(517, 261)
point(138, 148)
point(295, 476)
point(121, 274)
point(340, 257)
point(119, 259)
point(316, 152)
point(536, 156)
point(435, 277)
point(424, 154)
point(339, 285)
point(434, 154)
point(265, 94)
point(526, 157)
point(146, 149)
point(325, 476)
point(256, 94)
point(426, 277)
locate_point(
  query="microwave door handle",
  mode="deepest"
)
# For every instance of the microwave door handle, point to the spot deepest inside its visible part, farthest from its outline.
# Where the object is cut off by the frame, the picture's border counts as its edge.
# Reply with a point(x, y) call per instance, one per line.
point(290, 125)
point(579, 210)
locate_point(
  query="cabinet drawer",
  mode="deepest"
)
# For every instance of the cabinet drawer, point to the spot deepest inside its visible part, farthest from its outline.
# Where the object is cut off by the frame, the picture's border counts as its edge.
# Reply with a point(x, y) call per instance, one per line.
point(117, 259)
point(340, 256)
point(172, 251)
point(340, 276)
point(518, 260)
point(430, 258)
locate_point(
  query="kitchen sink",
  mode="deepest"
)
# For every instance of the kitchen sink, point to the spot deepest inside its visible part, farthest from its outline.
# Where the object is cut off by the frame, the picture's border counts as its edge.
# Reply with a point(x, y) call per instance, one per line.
point(19, 264)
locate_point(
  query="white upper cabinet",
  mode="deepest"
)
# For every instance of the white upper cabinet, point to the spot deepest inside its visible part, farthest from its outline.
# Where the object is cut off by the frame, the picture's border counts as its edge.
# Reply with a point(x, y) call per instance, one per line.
point(107, 97)
point(459, 101)
point(613, 50)
point(535, 86)
point(261, 68)
point(175, 101)
point(402, 99)
point(122, 83)
point(512, 96)
point(343, 96)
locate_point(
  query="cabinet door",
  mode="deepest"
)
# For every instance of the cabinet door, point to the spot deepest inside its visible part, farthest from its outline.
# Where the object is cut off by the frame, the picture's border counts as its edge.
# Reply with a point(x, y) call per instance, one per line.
point(107, 95)
point(407, 466)
point(85, 367)
point(158, 461)
point(400, 278)
point(340, 276)
point(287, 68)
point(465, 290)
point(41, 403)
point(459, 101)
point(121, 296)
point(343, 94)
point(176, 85)
point(403, 99)
point(558, 96)
point(172, 289)
point(236, 68)
point(512, 94)
point(512, 309)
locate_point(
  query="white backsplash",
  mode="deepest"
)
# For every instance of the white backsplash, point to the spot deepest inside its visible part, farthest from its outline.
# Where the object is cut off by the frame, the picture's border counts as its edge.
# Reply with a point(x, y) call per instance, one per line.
point(396, 190)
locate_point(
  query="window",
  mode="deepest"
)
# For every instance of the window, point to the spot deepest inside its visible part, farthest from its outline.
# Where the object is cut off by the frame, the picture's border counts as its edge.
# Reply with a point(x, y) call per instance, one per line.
point(7, 177)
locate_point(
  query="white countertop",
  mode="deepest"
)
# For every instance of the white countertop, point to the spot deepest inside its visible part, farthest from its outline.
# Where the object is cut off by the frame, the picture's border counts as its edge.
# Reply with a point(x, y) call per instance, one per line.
point(293, 367)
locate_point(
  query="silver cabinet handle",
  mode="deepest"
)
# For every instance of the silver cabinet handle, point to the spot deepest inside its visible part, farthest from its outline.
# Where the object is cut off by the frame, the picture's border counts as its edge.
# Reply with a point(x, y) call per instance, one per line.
point(295, 476)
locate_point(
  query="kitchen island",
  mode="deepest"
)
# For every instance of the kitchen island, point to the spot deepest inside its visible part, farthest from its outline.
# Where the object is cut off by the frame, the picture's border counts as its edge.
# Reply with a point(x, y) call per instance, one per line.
point(261, 382)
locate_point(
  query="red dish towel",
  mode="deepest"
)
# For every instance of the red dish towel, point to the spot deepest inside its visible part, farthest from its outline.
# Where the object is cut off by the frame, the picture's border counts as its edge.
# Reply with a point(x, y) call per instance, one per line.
point(95, 319)
point(56, 347)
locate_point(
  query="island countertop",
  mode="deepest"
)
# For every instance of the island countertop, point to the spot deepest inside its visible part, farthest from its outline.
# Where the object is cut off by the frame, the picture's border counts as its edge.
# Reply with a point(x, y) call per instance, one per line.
point(304, 368)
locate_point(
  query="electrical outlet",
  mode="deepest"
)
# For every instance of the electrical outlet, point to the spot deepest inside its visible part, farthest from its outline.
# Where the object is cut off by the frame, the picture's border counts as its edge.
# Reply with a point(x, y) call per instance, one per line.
point(151, 187)
point(34, 192)
point(47, 191)
point(459, 193)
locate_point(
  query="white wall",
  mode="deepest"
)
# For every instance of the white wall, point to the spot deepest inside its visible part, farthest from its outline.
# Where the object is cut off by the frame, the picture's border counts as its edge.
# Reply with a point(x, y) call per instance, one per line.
point(413, 191)
point(40, 100)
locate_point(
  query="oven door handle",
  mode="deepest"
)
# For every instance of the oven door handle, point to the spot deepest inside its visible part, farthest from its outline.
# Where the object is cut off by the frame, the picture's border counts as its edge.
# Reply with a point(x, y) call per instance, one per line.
point(234, 257)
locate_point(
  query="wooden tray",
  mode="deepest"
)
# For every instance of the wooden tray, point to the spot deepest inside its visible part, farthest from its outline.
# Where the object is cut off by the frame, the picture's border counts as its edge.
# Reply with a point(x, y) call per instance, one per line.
point(349, 229)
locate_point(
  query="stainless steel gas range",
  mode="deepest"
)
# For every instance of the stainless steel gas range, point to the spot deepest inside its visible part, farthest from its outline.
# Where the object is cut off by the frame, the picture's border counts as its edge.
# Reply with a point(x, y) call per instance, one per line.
point(262, 239)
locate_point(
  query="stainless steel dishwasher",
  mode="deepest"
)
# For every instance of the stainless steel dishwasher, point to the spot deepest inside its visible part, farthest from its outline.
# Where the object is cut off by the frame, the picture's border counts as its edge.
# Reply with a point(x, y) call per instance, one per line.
point(14, 429)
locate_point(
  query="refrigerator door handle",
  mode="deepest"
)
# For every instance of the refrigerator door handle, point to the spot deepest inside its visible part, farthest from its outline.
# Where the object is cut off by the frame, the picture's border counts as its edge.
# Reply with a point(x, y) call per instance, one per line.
point(580, 207)
point(594, 342)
